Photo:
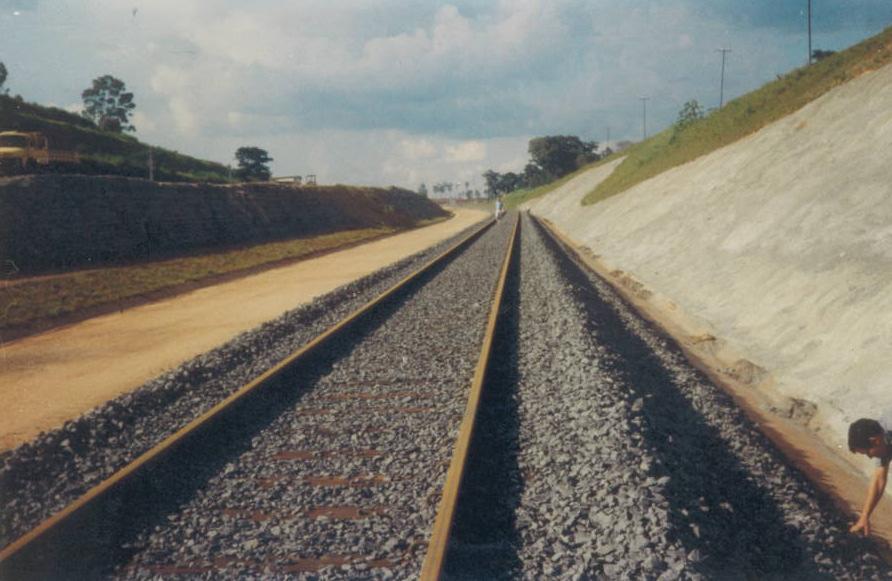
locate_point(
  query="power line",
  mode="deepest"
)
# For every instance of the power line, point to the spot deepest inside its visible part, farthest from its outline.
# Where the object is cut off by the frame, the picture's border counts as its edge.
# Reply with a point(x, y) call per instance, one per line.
point(724, 51)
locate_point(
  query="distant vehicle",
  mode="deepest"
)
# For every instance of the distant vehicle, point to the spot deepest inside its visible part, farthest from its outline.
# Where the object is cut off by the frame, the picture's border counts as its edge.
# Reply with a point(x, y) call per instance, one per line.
point(296, 181)
point(293, 180)
point(29, 152)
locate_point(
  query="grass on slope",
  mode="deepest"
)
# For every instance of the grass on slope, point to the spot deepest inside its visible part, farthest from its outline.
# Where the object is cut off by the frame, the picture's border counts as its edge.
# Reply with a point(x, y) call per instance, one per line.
point(516, 198)
point(104, 152)
point(744, 115)
point(34, 300)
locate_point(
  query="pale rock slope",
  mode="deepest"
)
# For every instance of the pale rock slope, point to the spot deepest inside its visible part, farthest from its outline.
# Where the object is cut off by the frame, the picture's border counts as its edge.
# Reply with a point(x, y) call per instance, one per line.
point(779, 246)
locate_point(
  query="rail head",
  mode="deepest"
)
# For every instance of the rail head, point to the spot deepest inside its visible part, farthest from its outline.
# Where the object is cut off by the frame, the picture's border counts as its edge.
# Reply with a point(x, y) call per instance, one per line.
point(435, 558)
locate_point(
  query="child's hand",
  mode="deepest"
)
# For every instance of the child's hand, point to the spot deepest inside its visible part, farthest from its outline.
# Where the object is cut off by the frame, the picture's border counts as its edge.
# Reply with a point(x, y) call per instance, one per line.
point(861, 525)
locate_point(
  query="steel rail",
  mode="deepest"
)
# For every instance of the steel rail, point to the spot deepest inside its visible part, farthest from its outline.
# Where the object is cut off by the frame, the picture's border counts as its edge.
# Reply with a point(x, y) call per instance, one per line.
point(762, 421)
point(27, 547)
point(435, 558)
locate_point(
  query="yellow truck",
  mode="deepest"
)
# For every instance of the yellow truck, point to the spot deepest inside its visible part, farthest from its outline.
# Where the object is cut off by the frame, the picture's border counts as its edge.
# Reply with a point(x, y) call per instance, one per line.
point(29, 152)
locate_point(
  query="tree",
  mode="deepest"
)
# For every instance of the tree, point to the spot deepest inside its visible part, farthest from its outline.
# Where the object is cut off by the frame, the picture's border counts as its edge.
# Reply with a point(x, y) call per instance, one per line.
point(492, 179)
point(252, 164)
point(690, 113)
point(497, 184)
point(422, 190)
point(3, 74)
point(534, 176)
point(510, 181)
point(559, 155)
point(108, 104)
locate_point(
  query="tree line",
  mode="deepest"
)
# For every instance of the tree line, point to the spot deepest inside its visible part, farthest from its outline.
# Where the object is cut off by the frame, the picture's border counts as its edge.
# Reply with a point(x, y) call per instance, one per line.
point(551, 157)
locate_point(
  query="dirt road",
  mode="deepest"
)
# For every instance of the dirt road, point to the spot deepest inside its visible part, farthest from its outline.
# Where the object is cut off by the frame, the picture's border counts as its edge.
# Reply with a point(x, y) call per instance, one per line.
point(50, 378)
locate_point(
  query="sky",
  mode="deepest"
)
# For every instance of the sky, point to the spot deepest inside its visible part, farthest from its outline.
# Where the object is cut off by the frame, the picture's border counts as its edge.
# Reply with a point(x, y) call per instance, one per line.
point(396, 92)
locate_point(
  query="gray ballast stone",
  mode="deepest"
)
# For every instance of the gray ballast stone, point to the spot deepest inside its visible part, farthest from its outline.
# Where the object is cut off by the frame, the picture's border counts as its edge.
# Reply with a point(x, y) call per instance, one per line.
point(717, 499)
point(41, 477)
point(427, 351)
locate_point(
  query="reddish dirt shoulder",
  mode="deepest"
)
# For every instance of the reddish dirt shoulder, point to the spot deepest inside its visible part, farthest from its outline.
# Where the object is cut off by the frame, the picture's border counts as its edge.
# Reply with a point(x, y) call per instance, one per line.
point(55, 376)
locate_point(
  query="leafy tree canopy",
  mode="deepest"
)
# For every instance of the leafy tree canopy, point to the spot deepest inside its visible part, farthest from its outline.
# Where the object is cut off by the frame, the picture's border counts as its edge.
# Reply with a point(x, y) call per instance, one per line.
point(3, 74)
point(252, 163)
point(534, 176)
point(497, 184)
point(689, 114)
point(108, 104)
point(559, 155)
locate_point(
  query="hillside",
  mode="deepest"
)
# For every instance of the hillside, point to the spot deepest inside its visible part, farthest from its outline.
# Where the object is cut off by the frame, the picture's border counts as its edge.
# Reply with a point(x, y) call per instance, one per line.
point(71, 244)
point(744, 115)
point(103, 152)
point(773, 254)
point(52, 223)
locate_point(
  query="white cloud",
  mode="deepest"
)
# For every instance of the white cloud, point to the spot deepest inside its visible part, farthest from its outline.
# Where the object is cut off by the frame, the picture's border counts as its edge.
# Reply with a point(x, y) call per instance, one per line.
point(466, 151)
point(184, 118)
point(368, 91)
point(143, 122)
point(412, 148)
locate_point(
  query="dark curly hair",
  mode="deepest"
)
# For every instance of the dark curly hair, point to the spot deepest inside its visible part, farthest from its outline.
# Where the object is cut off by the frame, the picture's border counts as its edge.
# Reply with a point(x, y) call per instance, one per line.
point(860, 432)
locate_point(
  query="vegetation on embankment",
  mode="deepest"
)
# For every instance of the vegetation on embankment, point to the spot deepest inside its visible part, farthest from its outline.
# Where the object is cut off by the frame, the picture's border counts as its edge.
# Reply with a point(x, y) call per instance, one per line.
point(52, 223)
point(40, 300)
point(104, 152)
point(516, 198)
point(743, 116)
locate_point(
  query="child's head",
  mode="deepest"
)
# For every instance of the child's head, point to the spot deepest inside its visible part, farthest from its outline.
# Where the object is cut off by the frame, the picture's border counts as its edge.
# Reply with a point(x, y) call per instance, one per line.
point(866, 436)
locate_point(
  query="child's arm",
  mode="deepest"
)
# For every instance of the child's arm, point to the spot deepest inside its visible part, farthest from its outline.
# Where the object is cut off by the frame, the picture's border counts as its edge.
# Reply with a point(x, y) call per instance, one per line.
point(874, 493)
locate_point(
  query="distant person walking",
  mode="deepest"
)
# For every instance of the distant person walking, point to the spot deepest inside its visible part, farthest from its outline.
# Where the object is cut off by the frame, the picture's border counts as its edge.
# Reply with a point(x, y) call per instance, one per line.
point(873, 439)
point(498, 208)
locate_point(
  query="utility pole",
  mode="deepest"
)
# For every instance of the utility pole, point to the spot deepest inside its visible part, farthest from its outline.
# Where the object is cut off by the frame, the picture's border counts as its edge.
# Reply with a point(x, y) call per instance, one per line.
point(809, 31)
point(151, 166)
point(644, 115)
point(724, 51)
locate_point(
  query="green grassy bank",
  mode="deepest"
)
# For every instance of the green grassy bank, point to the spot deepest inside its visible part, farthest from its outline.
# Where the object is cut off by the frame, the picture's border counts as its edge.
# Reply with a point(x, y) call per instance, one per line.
point(744, 115)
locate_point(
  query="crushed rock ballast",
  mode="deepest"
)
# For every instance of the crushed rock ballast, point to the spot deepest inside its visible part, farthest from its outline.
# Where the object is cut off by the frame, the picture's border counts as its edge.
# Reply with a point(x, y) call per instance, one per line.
point(600, 451)
point(605, 454)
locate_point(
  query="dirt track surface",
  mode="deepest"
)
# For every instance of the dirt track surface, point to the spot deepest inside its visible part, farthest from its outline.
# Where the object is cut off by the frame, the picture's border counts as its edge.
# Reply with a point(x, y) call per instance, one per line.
point(56, 376)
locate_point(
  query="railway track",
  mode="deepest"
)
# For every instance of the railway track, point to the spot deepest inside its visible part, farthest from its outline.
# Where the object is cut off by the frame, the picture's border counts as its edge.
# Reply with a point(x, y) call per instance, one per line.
point(603, 453)
point(596, 451)
point(354, 411)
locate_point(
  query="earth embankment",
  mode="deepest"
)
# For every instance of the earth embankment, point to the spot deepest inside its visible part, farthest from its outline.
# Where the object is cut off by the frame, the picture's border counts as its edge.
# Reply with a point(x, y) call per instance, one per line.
point(773, 254)
point(60, 222)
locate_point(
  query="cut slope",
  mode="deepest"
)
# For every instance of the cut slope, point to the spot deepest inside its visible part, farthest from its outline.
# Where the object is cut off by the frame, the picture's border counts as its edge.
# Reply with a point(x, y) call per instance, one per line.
point(744, 115)
point(779, 246)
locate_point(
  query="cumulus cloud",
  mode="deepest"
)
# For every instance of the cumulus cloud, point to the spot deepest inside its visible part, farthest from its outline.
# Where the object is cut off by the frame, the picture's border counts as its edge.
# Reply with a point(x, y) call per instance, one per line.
point(466, 151)
point(386, 90)
point(143, 122)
